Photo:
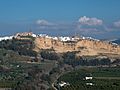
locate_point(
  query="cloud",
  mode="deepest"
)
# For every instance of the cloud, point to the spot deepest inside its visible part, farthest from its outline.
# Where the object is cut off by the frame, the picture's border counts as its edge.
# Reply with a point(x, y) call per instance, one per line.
point(90, 21)
point(43, 22)
point(84, 26)
point(88, 26)
point(117, 24)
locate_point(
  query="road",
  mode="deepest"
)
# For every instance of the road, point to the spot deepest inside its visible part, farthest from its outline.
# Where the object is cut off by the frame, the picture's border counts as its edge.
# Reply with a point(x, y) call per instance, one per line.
point(53, 84)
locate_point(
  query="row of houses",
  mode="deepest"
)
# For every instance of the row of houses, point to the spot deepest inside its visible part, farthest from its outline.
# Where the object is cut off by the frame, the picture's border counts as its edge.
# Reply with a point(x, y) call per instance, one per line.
point(6, 38)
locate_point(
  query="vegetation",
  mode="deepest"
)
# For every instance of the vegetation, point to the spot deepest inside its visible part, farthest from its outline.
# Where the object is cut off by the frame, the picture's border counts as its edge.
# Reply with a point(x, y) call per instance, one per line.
point(103, 79)
point(49, 54)
point(23, 47)
point(71, 59)
point(17, 73)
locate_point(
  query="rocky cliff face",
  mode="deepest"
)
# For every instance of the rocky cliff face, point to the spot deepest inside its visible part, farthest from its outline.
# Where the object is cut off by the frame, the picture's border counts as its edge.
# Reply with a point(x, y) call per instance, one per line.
point(83, 46)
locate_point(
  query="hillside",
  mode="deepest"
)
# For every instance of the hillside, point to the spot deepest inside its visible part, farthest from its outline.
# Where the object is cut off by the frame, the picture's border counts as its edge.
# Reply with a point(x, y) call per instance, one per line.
point(86, 47)
point(22, 67)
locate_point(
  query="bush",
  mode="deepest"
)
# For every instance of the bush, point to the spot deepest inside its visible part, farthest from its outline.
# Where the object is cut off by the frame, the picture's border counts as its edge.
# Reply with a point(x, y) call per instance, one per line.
point(50, 55)
point(23, 47)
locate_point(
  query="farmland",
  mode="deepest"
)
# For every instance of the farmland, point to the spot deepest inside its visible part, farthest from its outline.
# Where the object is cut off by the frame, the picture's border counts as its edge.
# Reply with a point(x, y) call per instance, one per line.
point(104, 78)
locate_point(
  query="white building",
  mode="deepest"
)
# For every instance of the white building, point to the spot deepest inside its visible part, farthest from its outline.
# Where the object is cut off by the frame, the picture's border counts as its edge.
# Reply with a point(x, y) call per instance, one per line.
point(34, 35)
point(88, 78)
point(62, 83)
point(6, 38)
point(89, 84)
point(65, 38)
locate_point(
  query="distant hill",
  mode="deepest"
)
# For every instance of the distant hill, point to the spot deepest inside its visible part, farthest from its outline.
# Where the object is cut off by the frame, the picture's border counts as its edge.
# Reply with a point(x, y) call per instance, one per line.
point(117, 41)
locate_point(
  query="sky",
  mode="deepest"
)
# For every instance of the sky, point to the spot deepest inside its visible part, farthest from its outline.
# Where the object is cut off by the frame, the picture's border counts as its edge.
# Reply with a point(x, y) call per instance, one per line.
point(95, 18)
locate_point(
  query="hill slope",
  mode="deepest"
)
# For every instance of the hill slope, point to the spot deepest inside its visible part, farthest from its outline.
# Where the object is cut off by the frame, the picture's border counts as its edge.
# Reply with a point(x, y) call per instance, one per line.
point(83, 46)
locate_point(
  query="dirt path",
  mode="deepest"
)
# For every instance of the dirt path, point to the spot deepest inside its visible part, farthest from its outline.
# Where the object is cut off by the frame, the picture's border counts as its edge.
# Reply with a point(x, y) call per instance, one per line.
point(53, 84)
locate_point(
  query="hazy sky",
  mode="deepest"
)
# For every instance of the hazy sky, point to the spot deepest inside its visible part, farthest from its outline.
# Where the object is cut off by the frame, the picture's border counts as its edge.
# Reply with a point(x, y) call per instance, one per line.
point(97, 18)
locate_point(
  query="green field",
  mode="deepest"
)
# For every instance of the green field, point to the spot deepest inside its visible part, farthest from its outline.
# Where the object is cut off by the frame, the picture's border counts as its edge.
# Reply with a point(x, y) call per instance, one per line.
point(104, 78)
point(8, 84)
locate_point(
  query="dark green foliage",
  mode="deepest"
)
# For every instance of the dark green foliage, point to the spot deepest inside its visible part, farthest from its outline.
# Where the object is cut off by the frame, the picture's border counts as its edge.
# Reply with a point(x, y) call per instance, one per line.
point(105, 61)
point(54, 70)
point(50, 55)
point(103, 83)
point(71, 59)
point(23, 47)
point(117, 61)
point(46, 77)
point(69, 55)
point(8, 84)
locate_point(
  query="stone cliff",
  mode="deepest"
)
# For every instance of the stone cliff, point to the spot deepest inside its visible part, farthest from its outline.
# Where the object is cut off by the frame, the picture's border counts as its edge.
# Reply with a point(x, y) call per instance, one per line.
point(83, 46)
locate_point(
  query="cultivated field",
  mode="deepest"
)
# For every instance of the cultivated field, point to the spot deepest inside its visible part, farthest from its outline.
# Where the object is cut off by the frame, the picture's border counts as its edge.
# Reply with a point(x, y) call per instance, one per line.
point(104, 78)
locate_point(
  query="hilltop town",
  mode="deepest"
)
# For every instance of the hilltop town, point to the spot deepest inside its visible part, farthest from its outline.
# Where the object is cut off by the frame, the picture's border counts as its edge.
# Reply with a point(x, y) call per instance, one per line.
point(83, 45)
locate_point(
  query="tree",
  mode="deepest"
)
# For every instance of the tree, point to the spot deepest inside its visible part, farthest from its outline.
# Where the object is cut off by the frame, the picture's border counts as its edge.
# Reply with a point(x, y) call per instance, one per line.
point(105, 61)
point(50, 55)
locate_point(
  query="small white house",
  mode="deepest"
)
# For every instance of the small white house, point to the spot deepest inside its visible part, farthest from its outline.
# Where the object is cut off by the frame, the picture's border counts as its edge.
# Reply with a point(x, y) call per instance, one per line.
point(18, 66)
point(6, 38)
point(62, 83)
point(88, 78)
point(34, 35)
point(90, 84)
